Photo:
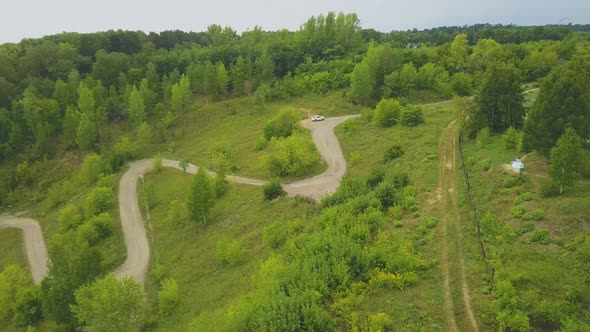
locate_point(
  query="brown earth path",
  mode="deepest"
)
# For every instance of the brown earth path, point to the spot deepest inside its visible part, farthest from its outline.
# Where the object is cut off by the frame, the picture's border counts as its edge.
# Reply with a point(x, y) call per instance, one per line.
point(451, 225)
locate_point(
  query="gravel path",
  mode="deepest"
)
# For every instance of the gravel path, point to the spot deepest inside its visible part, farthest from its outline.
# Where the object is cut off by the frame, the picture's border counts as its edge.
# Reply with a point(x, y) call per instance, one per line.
point(138, 250)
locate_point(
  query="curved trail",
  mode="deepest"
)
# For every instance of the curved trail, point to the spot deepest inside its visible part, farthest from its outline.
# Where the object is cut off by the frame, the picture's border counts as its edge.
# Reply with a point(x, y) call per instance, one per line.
point(138, 250)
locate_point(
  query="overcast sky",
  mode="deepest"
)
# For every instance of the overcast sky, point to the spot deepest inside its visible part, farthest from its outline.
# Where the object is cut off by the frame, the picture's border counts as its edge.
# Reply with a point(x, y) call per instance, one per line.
point(35, 18)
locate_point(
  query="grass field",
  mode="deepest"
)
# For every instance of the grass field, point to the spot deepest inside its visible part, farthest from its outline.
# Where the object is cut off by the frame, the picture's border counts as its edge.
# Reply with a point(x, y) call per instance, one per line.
point(235, 126)
point(541, 269)
point(186, 250)
point(12, 248)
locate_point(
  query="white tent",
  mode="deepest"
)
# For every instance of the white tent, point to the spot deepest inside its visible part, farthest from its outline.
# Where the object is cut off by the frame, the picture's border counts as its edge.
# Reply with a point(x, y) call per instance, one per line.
point(517, 164)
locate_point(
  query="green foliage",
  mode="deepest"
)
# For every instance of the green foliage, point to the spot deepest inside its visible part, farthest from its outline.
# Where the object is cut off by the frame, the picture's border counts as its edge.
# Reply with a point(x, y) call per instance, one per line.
point(462, 84)
point(229, 252)
point(27, 307)
point(167, 296)
point(136, 106)
point(512, 138)
point(275, 234)
point(387, 112)
point(273, 189)
point(566, 160)
point(500, 97)
point(183, 164)
point(361, 84)
point(518, 211)
point(393, 152)
point(482, 137)
point(510, 181)
point(411, 116)
point(102, 224)
point(541, 236)
point(201, 197)
point(99, 200)
point(69, 217)
point(291, 156)
point(538, 214)
point(175, 212)
point(145, 134)
point(13, 280)
point(180, 100)
point(110, 305)
point(157, 163)
point(283, 124)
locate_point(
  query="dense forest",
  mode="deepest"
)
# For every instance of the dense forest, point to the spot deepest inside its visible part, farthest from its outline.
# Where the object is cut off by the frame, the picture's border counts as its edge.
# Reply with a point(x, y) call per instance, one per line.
point(103, 94)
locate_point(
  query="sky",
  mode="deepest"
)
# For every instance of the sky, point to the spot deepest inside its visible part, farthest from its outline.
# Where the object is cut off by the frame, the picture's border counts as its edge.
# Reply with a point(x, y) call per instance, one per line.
point(36, 18)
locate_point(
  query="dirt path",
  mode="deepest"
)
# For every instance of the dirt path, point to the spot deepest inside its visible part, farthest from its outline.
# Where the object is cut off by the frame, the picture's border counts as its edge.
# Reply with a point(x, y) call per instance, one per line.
point(451, 224)
point(138, 251)
point(34, 244)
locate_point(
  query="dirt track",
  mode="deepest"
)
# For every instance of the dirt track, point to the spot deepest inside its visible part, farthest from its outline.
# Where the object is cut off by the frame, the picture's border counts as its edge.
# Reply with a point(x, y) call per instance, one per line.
point(460, 317)
point(34, 244)
point(138, 251)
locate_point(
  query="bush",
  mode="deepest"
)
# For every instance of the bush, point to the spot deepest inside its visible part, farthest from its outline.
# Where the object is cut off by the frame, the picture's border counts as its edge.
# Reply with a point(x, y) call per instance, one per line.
point(430, 222)
point(99, 200)
point(275, 234)
point(486, 164)
point(377, 175)
point(229, 252)
point(260, 144)
point(398, 223)
point(510, 181)
point(349, 126)
point(103, 224)
point(168, 296)
point(69, 217)
point(283, 124)
point(273, 189)
point(482, 137)
point(387, 112)
point(392, 153)
point(541, 236)
point(512, 138)
point(538, 214)
point(88, 233)
point(292, 156)
point(411, 116)
point(527, 227)
point(550, 189)
point(462, 84)
point(518, 211)
point(27, 308)
point(157, 163)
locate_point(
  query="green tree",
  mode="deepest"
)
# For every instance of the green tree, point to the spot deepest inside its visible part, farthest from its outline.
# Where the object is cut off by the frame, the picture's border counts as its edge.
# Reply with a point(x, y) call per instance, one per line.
point(86, 133)
point(70, 126)
point(264, 67)
point(283, 124)
point(222, 79)
point(407, 77)
point(183, 164)
point(459, 50)
point(167, 296)
point(181, 95)
point(99, 200)
point(136, 107)
point(566, 160)
point(201, 197)
point(109, 304)
point(500, 97)
point(69, 217)
point(241, 71)
point(145, 133)
point(563, 102)
point(28, 306)
point(387, 112)
point(361, 84)
point(73, 264)
point(12, 281)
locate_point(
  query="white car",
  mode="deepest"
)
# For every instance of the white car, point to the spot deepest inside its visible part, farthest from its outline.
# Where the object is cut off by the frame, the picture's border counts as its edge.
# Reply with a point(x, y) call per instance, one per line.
point(317, 117)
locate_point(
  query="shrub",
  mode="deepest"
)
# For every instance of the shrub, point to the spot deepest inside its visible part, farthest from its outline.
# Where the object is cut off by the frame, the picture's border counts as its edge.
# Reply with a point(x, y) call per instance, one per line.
point(518, 211)
point(229, 252)
point(538, 214)
point(273, 189)
point(283, 124)
point(157, 163)
point(411, 116)
point(69, 217)
point(99, 200)
point(349, 126)
point(88, 233)
point(482, 137)
point(398, 223)
point(550, 189)
point(103, 224)
point(27, 308)
point(486, 164)
point(527, 227)
point(512, 138)
point(541, 236)
point(275, 234)
point(393, 152)
point(430, 222)
point(387, 112)
point(510, 181)
point(168, 296)
point(260, 144)
point(377, 175)
point(292, 156)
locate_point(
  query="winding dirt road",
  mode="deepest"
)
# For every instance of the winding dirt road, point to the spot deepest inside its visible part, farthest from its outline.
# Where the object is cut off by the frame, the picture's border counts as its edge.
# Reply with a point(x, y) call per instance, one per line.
point(138, 251)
